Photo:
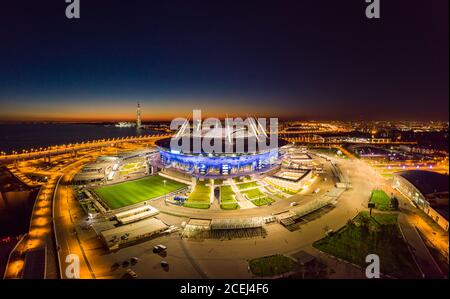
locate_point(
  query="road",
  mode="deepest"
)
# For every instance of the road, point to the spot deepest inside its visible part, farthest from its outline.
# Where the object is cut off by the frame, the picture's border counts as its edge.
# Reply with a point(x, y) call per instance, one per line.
point(66, 215)
point(425, 261)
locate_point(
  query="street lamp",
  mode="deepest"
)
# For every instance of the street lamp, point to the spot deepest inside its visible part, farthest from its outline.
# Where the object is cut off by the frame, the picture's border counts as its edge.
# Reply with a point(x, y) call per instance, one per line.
point(165, 195)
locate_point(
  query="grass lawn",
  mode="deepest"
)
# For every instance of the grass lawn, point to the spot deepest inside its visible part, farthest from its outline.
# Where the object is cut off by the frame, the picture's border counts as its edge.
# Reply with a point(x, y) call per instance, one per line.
point(381, 199)
point(199, 197)
point(365, 235)
point(272, 265)
point(262, 201)
point(226, 194)
point(196, 205)
point(288, 191)
point(128, 193)
point(227, 199)
point(229, 206)
point(253, 193)
point(218, 182)
point(257, 197)
point(248, 185)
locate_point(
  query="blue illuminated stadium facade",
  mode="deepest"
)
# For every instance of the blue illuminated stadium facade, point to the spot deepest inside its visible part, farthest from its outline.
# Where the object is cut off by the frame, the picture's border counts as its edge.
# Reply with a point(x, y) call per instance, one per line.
point(237, 150)
point(219, 165)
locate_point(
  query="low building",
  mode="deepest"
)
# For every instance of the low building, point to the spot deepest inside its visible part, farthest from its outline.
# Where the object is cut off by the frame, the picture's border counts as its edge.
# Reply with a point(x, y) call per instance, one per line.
point(136, 214)
point(290, 179)
point(428, 191)
point(132, 232)
point(93, 172)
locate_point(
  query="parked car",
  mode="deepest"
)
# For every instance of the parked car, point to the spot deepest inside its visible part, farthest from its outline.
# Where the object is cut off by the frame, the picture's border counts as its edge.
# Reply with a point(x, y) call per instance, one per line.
point(134, 260)
point(132, 273)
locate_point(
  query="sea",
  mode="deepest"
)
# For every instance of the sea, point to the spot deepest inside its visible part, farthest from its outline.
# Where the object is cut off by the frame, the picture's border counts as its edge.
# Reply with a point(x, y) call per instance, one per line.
point(34, 135)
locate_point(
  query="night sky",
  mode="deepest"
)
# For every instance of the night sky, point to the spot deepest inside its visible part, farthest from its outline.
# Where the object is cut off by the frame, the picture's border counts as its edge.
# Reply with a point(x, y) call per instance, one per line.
point(290, 59)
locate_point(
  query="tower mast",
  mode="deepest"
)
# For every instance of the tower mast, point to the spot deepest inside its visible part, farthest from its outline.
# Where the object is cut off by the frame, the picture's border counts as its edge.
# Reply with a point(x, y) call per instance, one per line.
point(138, 116)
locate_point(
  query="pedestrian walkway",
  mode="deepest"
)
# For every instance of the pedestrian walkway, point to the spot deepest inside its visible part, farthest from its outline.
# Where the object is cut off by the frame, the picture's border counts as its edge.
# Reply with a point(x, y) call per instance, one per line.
point(243, 202)
point(424, 259)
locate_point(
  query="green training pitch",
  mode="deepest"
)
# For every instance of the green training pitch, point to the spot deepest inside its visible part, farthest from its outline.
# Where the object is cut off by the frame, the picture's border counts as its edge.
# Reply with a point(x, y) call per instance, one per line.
point(129, 193)
point(381, 199)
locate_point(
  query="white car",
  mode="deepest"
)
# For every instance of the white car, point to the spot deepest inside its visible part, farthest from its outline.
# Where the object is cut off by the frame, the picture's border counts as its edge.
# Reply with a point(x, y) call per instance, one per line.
point(161, 247)
point(132, 273)
point(293, 204)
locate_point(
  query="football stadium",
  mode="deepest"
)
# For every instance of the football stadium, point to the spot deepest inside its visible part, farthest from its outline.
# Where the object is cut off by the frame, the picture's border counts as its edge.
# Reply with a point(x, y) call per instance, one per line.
point(245, 169)
point(236, 152)
point(235, 175)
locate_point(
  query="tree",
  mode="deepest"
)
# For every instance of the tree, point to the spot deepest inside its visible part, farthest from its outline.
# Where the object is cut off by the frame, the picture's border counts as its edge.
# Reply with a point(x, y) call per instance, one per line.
point(350, 222)
point(394, 203)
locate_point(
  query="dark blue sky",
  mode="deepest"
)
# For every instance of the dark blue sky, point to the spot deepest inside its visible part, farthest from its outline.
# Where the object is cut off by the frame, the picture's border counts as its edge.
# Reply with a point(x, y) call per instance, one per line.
point(291, 59)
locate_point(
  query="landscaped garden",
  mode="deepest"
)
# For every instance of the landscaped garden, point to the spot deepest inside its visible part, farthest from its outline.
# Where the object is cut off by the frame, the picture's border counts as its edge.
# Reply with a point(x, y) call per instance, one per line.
point(257, 197)
point(227, 198)
point(377, 234)
point(200, 196)
point(381, 200)
point(248, 185)
point(272, 265)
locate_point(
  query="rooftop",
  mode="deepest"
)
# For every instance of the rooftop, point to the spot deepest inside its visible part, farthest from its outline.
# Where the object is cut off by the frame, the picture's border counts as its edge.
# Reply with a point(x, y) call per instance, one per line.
point(427, 182)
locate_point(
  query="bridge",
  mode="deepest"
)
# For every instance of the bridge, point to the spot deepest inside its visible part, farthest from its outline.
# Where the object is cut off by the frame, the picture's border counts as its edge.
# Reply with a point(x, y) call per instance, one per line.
point(72, 148)
point(318, 140)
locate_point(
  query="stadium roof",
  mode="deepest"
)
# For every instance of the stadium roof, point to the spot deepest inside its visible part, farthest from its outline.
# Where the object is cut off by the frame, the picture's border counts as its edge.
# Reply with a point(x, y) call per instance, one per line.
point(427, 182)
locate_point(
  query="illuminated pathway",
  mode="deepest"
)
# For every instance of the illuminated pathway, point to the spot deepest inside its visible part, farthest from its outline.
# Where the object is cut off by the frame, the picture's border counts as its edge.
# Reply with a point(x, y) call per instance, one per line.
point(66, 233)
point(39, 234)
